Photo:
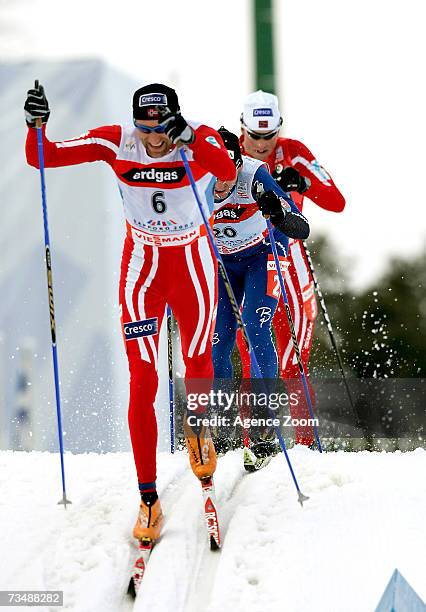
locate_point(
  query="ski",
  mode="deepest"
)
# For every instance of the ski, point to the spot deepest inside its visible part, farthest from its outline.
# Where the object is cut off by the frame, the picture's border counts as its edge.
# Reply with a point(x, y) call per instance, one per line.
point(145, 547)
point(252, 463)
point(210, 512)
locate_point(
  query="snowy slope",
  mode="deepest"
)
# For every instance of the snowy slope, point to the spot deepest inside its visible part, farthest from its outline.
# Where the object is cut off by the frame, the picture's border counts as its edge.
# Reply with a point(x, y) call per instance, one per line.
point(364, 518)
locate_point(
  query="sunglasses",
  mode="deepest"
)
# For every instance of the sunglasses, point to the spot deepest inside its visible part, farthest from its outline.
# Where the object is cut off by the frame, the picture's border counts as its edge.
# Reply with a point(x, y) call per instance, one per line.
point(158, 129)
point(255, 136)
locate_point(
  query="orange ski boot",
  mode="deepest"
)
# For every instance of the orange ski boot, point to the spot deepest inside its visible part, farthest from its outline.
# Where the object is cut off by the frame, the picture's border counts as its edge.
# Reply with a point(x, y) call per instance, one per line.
point(202, 454)
point(150, 519)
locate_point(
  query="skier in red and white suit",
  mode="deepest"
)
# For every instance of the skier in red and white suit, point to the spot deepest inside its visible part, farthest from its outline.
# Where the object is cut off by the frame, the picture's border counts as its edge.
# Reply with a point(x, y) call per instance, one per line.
point(297, 171)
point(166, 256)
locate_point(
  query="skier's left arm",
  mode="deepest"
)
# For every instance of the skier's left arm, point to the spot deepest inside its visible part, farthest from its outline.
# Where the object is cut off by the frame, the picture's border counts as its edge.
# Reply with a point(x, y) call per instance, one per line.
point(307, 176)
point(210, 152)
point(278, 205)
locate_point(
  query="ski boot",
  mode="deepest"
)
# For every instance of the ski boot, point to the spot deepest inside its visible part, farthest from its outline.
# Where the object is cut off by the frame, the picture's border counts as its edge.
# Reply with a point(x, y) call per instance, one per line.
point(202, 454)
point(259, 454)
point(150, 519)
point(203, 460)
point(147, 530)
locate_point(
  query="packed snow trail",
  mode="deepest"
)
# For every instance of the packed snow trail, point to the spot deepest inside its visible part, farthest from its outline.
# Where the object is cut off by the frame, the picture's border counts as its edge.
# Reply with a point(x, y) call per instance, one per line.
point(207, 561)
point(364, 518)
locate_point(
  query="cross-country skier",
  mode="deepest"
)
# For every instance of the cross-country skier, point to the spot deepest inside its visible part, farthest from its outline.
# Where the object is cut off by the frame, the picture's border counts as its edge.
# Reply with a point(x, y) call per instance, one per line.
point(297, 171)
point(242, 239)
point(166, 256)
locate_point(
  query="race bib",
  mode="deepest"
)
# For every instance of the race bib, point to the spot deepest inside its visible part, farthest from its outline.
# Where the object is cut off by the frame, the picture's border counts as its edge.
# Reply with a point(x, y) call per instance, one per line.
point(273, 288)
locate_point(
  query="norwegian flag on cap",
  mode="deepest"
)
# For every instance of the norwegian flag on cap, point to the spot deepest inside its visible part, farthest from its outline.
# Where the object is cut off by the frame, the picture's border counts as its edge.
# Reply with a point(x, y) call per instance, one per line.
point(261, 112)
point(150, 100)
point(152, 113)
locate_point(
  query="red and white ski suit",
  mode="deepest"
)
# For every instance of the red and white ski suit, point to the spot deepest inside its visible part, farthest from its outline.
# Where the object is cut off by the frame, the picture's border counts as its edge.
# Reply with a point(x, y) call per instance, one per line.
point(166, 257)
point(298, 279)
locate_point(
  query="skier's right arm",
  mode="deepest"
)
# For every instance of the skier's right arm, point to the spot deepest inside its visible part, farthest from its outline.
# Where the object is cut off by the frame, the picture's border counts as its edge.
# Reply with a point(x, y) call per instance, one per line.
point(100, 144)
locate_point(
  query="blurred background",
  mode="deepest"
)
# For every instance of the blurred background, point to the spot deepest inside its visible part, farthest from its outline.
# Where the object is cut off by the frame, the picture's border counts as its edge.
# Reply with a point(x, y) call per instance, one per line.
point(349, 80)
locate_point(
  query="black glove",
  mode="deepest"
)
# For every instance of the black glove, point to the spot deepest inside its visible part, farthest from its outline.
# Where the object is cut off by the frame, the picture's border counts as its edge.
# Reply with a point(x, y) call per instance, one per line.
point(177, 129)
point(36, 105)
point(293, 224)
point(270, 205)
point(289, 179)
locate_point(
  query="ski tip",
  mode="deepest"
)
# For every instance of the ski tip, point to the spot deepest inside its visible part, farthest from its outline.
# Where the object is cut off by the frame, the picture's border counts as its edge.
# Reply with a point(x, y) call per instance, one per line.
point(213, 544)
point(302, 498)
point(131, 589)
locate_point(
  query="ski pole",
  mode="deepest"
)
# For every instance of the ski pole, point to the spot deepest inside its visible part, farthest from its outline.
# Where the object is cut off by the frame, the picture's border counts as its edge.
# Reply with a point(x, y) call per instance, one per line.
point(329, 328)
point(293, 332)
point(64, 499)
point(236, 311)
point(170, 364)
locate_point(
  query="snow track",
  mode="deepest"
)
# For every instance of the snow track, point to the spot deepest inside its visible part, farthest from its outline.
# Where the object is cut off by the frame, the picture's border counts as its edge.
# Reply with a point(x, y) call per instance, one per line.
point(364, 518)
point(207, 561)
point(184, 555)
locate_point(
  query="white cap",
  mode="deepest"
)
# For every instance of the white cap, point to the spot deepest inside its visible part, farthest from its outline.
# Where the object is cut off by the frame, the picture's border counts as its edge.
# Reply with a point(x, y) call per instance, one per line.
point(261, 112)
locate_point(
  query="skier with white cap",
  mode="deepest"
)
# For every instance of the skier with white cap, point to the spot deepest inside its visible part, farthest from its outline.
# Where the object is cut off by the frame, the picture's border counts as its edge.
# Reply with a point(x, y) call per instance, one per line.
point(243, 241)
point(297, 171)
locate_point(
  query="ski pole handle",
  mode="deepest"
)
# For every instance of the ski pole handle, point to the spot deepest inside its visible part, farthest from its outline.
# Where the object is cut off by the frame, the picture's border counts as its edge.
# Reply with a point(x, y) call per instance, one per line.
point(38, 121)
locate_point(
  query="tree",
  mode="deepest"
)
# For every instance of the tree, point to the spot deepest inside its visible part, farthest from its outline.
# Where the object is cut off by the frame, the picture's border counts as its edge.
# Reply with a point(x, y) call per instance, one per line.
point(381, 330)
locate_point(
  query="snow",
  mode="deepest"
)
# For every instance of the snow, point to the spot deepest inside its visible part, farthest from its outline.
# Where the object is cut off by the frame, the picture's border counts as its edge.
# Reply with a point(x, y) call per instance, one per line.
point(364, 518)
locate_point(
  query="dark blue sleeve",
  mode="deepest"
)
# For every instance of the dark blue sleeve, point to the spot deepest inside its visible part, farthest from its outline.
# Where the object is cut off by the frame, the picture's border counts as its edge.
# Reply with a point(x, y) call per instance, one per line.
point(294, 224)
point(262, 176)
